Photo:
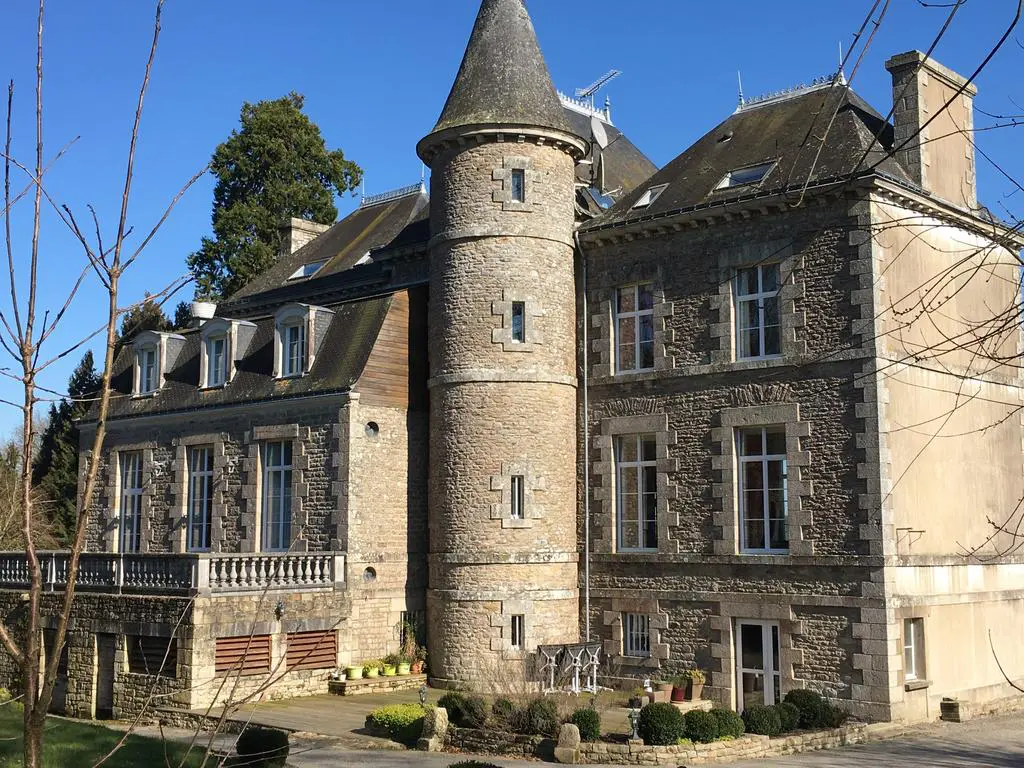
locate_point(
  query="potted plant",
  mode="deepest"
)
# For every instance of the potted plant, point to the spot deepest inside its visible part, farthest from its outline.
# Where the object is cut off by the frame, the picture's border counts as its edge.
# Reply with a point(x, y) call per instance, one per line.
point(664, 687)
point(371, 668)
point(391, 665)
point(636, 698)
point(680, 685)
point(404, 665)
point(420, 660)
point(354, 672)
point(697, 679)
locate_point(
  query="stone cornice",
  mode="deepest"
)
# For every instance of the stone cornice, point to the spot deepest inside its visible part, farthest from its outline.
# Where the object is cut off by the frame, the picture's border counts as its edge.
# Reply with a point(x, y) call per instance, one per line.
point(467, 136)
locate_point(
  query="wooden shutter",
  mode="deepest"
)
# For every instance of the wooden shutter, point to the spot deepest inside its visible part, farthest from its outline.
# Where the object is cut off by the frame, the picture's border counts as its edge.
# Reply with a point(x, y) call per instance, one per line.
point(243, 655)
point(152, 655)
point(312, 650)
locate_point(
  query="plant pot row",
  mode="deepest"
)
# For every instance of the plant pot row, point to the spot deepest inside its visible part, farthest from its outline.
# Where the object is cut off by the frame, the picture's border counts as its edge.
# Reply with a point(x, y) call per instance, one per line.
point(358, 672)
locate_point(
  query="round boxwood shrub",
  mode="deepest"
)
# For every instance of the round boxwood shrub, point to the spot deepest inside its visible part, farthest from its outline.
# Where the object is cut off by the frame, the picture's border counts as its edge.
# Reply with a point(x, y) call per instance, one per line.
point(834, 716)
point(455, 703)
point(404, 722)
point(700, 726)
point(729, 723)
point(762, 720)
point(588, 721)
point(813, 708)
point(263, 747)
point(539, 718)
point(464, 711)
point(789, 715)
point(660, 724)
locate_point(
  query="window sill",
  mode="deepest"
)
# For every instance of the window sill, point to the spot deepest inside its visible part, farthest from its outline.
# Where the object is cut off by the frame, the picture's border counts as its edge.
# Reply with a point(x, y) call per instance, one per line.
point(764, 552)
point(916, 685)
point(144, 395)
point(213, 387)
point(633, 372)
point(292, 376)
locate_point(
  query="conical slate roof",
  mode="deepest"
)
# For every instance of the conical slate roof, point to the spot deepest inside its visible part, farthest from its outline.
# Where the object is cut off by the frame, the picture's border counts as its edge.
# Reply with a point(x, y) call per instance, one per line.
point(503, 78)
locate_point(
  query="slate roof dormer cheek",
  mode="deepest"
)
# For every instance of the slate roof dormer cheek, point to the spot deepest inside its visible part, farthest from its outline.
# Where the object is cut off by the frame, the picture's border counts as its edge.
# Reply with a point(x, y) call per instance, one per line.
point(218, 362)
point(299, 331)
point(153, 355)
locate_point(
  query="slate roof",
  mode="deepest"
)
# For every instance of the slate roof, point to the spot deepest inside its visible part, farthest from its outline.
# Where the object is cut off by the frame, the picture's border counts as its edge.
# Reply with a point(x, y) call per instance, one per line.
point(338, 365)
point(503, 78)
point(787, 131)
point(625, 166)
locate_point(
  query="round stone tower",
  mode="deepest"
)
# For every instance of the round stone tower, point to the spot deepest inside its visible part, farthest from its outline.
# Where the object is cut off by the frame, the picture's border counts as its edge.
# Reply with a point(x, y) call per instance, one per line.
point(502, 329)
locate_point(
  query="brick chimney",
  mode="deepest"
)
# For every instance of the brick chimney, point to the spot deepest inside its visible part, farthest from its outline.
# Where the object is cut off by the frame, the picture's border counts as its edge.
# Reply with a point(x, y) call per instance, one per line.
point(296, 233)
point(941, 157)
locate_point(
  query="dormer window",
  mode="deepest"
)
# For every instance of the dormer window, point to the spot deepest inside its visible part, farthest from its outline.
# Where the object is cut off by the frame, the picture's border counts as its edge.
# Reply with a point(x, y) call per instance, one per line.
point(298, 331)
point(307, 270)
point(742, 177)
point(155, 355)
point(224, 342)
point(148, 369)
point(650, 196)
point(216, 361)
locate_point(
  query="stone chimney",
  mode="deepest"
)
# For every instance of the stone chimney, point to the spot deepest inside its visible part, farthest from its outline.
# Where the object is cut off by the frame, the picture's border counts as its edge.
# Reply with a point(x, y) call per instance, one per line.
point(941, 157)
point(296, 233)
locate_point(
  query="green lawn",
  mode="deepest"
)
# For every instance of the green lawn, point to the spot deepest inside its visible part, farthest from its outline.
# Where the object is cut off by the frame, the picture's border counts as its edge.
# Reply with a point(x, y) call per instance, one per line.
point(70, 744)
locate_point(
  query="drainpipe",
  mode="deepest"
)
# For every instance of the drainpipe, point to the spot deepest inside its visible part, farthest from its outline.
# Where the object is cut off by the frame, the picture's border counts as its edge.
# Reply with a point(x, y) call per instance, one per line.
point(586, 443)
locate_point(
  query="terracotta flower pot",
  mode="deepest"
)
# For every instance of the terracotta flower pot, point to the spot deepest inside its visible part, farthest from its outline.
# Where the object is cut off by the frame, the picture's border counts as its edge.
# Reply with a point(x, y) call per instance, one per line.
point(678, 693)
point(665, 687)
point(417, 667)
point(696, 690)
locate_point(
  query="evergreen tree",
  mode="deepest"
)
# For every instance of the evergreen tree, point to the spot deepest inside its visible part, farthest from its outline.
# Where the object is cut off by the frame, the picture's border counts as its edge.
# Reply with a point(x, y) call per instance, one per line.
point(55, 469)
point(182, 316)
point(146, 316)
point(274, 167)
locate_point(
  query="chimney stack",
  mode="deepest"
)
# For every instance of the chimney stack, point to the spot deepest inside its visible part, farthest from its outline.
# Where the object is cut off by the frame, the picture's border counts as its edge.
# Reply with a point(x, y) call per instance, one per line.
point(296, 233)
point(941, 157)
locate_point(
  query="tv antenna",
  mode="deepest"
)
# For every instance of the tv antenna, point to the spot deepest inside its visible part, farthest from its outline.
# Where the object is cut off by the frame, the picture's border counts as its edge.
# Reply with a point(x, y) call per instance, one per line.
point(597, 85)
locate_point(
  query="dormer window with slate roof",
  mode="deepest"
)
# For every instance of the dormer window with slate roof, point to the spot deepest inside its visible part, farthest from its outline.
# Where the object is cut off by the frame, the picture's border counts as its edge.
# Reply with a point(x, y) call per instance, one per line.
point(224, 342)
point(298, 331)
point(650, 196)
point(307, 270)
point(742, 177)
point(155, 354)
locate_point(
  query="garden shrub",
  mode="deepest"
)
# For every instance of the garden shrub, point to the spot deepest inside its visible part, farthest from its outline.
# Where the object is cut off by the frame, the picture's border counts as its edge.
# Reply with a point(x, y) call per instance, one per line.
point(472, 764)
point(729, 723)
point(789, 715)
point(404, 722)
point(504, 712)
point(700, 726)
point(464, 711)
point(588, 721)
point(539, 718)
point(660, 724)
point(834, 716)
point(762, 720)
point(263, 747)
point(813, 708)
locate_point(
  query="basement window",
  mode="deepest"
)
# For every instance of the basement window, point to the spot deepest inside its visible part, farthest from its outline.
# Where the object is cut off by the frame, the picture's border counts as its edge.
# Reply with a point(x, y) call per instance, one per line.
point(742, 177)
point(650, 196)
point(307, 270)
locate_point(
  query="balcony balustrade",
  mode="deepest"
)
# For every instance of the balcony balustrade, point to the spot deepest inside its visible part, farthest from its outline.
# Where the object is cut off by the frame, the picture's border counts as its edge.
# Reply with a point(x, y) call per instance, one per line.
point(189, 574)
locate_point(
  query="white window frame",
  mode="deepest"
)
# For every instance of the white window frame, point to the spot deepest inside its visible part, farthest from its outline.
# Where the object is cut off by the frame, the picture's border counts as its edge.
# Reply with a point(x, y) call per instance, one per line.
point(743, 177)
point(518, 497)
point(517, 632)
point(637, 315)
point(759, 297)
point(149, 375)
point(200, 497)
point(764, 459)
point(216, 374)
point(636, 635)
point(293, 365)
point(772, 664)
point(648, 197)
point(914, 659)
point(641, 467)
point(130, 495)
point(276, 515)
point(307, 270)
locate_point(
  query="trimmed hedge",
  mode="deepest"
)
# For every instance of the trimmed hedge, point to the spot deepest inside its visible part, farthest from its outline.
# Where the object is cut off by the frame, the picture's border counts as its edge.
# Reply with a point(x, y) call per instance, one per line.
point(762, 720)
point(464, 711)
point(660, 725)
point(588, 720)
point(700, 726)
point(263, 747)
point(404, 722)
point(813, 708)
point(789, 715)
point(729, 723)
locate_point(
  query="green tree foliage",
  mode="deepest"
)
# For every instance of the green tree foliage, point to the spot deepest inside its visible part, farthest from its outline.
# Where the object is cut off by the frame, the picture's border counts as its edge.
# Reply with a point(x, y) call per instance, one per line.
point(145, 316)
point(274, 167)
point(55, 469)
point(182, 316)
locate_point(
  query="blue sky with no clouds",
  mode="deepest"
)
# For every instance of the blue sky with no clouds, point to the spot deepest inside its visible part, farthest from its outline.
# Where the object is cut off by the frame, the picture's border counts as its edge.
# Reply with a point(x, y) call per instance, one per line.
point(375, 76)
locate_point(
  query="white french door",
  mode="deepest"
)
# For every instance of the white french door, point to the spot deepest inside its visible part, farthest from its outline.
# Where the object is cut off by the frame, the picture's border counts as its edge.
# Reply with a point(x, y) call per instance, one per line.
point(758, 679)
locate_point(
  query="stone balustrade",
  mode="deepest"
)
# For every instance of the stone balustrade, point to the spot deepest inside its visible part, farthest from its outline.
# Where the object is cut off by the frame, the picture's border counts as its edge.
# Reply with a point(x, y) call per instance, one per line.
point(193, 573)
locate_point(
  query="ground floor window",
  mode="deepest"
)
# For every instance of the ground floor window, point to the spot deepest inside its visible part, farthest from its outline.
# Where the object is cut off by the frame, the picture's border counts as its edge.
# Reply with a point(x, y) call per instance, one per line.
point(152, 655)
point(913, 649)
point(758, 677)
point(636, 635)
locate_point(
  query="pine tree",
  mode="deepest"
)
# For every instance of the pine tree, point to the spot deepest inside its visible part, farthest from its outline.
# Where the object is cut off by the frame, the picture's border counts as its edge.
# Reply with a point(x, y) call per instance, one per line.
point(276, 166)
point(55, 470)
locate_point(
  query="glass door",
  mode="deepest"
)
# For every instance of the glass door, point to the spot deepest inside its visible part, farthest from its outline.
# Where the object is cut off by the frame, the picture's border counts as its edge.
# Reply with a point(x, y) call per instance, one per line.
point(757, 663)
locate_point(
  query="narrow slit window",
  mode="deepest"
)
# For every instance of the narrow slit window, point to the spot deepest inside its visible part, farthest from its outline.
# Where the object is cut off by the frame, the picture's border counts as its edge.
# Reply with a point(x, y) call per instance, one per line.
point(913, 649)
point(518, 497)
point(518, 322)
point(518, 186)
point(518, 639)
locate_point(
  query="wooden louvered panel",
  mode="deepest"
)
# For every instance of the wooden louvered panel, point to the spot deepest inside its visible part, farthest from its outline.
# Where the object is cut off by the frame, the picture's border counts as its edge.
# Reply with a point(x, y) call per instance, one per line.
point(152, 655)
point(312, 650)
point(243, 655)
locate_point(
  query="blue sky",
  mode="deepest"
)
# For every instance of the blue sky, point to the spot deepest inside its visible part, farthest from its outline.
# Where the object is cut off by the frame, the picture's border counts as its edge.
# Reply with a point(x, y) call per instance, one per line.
point(375, 76)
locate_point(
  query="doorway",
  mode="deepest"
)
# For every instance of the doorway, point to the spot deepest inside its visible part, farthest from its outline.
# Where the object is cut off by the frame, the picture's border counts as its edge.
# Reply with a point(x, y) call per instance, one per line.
point(60, 686)
point(106, 647)
point(758, 678)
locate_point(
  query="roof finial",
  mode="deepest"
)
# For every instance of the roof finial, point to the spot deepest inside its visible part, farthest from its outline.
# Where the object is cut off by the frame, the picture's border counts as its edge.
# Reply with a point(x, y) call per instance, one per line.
point(739, 78)
point(842, 61)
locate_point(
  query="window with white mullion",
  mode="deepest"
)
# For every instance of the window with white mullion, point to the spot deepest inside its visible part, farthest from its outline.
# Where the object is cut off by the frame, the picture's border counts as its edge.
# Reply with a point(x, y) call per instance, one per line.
point(634, 328)
point(147, 370)
point(277, 496)
point(216, 361)
point(294, 349)
point(636, 484)
point(758, 316)
point(913, 649)
point(200, 498)
point(131, 501)
point(763, 489)
point(636, 635)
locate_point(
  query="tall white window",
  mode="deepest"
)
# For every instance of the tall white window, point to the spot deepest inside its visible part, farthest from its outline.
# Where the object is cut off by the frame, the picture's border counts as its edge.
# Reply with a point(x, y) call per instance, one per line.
point(913, 649)
point(763, 506)
point(518, 185)
point(148, 370)
point(636, 635)
point(216, 361)
point(277, 496)
point(518, 322)
point(758, 330)
point(636, 492)
point(293, 349)
point(634, 328)
point(758, 666)
point(200, 498)
point(518, 511)
point(131, 501)
point(518, 634)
